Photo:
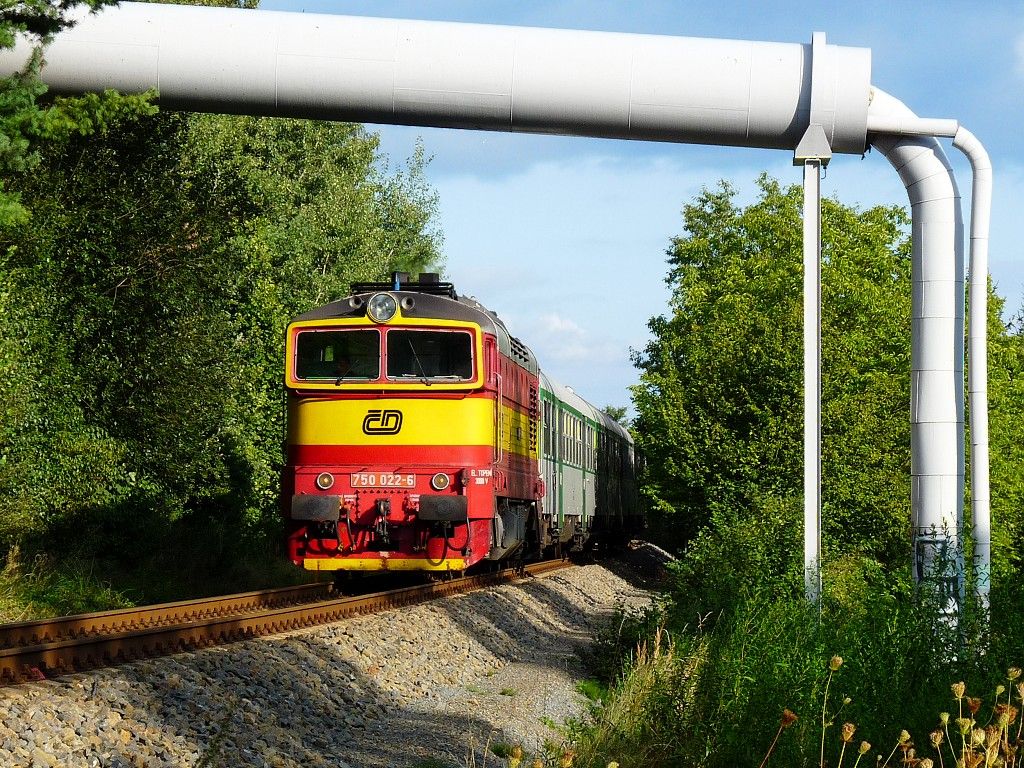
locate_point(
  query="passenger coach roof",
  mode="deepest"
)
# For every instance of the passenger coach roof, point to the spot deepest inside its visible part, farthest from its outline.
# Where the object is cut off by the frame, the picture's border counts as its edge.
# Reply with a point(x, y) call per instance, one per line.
point(568, 396)
point(431, 307)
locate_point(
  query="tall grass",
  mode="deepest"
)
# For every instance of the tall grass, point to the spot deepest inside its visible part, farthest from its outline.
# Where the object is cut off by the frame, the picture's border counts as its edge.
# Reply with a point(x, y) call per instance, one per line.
point(763, 672)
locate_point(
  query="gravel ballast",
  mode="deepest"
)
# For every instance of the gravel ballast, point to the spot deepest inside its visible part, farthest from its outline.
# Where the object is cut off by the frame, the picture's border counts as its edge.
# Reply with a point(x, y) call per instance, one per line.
point(431, 681)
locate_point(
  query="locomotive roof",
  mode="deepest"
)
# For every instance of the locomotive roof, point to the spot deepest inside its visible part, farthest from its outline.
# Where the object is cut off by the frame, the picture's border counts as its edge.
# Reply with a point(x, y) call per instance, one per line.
point(427, 305)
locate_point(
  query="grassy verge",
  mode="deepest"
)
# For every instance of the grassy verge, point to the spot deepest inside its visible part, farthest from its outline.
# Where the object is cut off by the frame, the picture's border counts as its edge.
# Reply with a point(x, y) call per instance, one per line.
point(106, 569)
point(764, 679)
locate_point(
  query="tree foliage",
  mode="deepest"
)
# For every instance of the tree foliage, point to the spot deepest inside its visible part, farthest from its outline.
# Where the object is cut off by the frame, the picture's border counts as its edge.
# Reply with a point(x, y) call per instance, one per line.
point(1006, 451)
point(27, 118)
point(720, 400)
point(144, 307)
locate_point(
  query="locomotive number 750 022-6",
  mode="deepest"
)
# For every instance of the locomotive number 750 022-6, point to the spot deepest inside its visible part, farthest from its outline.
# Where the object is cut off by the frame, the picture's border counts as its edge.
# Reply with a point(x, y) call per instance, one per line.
point(382, 480)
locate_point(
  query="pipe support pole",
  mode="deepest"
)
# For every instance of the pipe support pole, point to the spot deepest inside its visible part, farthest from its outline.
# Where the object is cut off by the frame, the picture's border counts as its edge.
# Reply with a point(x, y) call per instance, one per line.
point(813, 152)
point(812, 379)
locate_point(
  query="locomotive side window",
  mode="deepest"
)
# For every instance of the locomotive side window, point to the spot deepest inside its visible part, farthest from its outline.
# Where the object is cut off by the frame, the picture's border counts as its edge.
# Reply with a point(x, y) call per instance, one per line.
point(430, 355)
point(337, 355)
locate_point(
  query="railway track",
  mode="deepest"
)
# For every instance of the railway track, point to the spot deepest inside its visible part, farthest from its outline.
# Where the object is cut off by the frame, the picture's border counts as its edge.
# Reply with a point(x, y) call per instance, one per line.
point(36, 650)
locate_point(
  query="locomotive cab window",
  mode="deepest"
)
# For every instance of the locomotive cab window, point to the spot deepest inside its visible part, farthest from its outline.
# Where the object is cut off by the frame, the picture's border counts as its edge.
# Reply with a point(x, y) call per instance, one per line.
point(337, 355)
point(433, 355)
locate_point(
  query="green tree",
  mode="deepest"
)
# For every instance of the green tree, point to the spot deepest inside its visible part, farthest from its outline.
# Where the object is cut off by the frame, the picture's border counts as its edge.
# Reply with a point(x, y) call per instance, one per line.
point(25, 120)
point(617, 412)
point(720, 398)
point(1006, 452)
point(149, 296)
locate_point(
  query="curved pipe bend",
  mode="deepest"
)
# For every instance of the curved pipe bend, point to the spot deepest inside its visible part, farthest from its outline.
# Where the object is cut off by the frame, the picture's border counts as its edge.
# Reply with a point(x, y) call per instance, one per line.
point(937, 323)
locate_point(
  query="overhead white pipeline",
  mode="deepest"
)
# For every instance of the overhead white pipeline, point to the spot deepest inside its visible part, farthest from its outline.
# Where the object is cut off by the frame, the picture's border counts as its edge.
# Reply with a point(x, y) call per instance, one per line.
point(937, 324)
point(653, 87)
point(977, 356)
point(677, 89)
point(912, 125)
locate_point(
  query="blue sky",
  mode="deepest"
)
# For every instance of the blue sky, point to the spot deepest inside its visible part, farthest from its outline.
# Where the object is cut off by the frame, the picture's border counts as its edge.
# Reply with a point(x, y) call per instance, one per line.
point(565, 238)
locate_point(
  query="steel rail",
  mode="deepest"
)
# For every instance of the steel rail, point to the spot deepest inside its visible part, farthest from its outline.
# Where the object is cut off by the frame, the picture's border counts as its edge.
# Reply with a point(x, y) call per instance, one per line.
point(68, 653)
point(40, 631)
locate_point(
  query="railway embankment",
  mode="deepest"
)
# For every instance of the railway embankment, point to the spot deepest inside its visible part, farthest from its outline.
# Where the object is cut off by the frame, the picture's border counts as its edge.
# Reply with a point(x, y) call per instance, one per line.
point(405, 687)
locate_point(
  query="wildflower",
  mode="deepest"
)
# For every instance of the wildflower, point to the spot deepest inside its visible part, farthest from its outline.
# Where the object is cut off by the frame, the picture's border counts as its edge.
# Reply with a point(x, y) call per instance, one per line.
point(846, 700)
point(937, 738)
point(567, 757)
point(991, 736)
point(904, 738)
point(926, 763)
point(977, 737)
point(835, 663)
point(538, 763)
point(788, 718)
point(1000, 689)
point(973, 704)
point(972, 759)
point(847, 732)
point(1011, 714)
point(865, 747)
point(1002, 713)
point(964, 724)
point(1012, 673)
point(944, 718)
point(958, 690)
point(613, 764)
point(1020, 691)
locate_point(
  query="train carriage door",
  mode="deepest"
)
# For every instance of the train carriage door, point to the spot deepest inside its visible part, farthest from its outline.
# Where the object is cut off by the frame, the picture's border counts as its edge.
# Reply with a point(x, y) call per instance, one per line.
point(550, 463)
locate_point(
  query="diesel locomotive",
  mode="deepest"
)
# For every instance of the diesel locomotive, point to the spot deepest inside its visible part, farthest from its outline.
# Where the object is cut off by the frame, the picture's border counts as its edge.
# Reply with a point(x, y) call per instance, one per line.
point(423, 436)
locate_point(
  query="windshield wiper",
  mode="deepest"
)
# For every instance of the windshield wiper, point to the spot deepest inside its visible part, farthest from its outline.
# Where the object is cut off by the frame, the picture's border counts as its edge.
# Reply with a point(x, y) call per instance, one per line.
point(419, 365)
point(343, 374)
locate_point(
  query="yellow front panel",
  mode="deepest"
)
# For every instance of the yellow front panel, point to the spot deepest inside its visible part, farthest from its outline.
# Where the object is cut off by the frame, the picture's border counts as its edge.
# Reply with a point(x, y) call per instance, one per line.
point(382, 564)
point(322, 421)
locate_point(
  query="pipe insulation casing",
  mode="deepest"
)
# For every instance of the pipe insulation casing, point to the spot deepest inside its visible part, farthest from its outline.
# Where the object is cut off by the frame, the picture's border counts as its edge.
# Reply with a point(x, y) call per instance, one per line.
point(937, 328)
point(445, 74)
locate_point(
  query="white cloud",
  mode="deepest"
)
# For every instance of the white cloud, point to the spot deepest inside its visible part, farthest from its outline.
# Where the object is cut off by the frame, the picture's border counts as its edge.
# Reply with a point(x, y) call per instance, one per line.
point(554, 323)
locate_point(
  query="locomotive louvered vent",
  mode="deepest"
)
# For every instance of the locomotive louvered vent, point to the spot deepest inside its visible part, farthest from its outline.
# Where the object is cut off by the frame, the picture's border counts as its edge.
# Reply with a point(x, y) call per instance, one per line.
point(428, 282)
point(519, 351)
point(534, 417)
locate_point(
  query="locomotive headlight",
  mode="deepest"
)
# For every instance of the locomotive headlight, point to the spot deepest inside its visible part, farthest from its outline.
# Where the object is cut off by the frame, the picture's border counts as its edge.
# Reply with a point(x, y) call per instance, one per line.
point(381, 307)
point(440, 481)
point(324, 481)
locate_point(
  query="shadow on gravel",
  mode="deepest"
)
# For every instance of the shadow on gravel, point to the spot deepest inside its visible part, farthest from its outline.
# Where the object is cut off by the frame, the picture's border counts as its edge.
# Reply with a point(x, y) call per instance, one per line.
point(643, 565)
point(296, 702)
point(331, 696)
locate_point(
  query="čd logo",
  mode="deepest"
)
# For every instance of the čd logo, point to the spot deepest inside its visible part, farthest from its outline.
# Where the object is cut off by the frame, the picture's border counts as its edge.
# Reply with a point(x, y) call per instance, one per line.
point(379, 422)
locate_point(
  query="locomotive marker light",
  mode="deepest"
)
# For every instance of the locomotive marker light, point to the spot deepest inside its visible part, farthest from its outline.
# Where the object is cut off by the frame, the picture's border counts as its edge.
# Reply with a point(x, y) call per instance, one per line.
point(440, 481)
point(599, 84)
point(325, 481)
point(381, 307)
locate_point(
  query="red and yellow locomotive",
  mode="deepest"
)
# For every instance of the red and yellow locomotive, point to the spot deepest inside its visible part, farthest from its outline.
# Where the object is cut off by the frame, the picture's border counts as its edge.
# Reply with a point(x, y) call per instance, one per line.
point(413, 429)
